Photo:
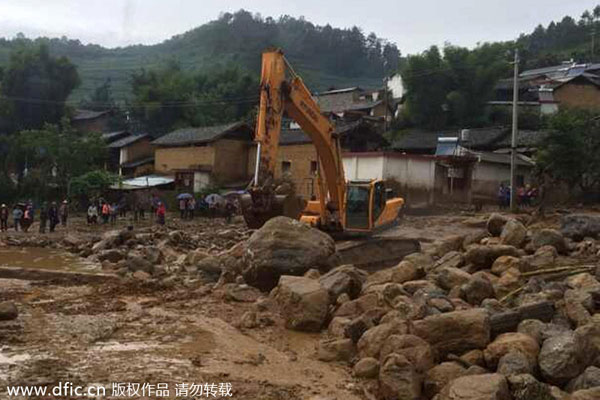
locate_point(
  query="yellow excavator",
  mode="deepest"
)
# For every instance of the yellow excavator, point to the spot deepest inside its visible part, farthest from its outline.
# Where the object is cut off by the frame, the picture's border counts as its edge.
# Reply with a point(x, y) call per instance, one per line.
point(341, 206)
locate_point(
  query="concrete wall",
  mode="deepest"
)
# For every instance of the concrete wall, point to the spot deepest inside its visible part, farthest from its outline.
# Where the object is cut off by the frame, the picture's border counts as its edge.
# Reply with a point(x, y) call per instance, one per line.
point(488, 176)
point(415, 175)
point(578, 95)
point(167, 159)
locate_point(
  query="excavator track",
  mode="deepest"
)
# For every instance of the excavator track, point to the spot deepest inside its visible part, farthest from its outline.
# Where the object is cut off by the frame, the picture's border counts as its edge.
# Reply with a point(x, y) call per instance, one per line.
point(375, 253)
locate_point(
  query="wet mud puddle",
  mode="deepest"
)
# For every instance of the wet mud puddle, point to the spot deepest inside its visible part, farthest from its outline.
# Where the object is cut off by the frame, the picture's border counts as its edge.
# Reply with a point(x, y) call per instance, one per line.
point(44, 258)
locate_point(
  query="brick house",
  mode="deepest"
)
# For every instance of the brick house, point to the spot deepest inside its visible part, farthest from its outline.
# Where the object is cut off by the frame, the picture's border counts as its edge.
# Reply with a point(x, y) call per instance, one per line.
point(297, 156)
point(199, 157)
point(134, 153)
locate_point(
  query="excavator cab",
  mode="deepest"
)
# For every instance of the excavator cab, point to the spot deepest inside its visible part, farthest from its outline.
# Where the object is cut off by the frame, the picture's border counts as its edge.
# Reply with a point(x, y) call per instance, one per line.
point(369, 206)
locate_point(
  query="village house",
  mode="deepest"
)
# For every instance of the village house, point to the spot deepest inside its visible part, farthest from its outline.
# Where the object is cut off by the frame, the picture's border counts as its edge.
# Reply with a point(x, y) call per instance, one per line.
point(463, 166)
point(355, 103)
point(200, 157)
point(548, 89)
point(131, 155)
point(91, 121)
point(297, 159)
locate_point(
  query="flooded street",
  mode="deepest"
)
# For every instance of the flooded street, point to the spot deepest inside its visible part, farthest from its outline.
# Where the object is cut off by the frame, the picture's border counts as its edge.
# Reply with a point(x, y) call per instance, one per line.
point(44, 258)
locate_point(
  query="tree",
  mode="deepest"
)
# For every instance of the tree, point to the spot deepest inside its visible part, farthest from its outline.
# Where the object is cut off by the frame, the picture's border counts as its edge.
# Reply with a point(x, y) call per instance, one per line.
point(170, 97)
point(34, 88)
point(101, 99)
point(49, 157)
point(451, 89)
point(570, 152)
point(92, 185)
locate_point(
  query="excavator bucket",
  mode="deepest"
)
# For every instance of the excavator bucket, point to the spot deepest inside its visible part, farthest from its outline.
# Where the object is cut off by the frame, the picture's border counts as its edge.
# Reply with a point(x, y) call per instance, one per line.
point(258, 207)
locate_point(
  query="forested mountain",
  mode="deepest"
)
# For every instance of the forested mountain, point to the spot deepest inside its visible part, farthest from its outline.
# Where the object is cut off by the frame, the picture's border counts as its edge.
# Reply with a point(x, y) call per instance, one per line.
point(563, 40)
point(323, 55)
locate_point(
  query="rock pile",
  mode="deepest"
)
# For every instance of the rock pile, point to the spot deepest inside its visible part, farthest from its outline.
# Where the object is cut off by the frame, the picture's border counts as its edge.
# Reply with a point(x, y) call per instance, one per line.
point(506, 314)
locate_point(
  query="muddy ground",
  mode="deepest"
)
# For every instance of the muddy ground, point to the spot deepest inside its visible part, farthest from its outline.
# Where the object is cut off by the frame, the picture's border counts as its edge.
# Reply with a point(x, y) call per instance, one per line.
point(171, 330)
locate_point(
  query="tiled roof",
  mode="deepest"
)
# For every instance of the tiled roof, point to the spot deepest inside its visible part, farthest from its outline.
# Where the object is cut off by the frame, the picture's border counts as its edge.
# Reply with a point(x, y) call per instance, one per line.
point(186, 136)
point(81, 114)
point(481, 139)
point(126, 141)
point(137, 163)
point(112, 136)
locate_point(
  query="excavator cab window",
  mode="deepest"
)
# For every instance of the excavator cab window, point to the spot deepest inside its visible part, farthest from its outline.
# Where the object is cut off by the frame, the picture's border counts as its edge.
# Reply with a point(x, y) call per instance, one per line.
point(378, 200)
point(357, 207)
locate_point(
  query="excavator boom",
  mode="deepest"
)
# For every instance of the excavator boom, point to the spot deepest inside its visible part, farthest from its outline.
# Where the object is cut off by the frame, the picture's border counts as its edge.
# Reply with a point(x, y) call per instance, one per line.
point(278, 94)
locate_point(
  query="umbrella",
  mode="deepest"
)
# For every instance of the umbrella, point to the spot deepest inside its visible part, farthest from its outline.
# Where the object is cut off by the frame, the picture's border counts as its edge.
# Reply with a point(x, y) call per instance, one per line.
point(213, 199)
point(184, 196)
point(234, 193)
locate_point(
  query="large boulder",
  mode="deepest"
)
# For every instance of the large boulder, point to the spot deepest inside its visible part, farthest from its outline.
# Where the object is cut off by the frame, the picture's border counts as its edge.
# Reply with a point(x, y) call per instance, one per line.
point(513, 233)
point(455, 332)
point(579, 226)
point(449, 277)
point(514, 363)
point(586, 394)
point(526, 387)
point(590, 378)
point(543, 257)
point(477, 387)
point(483, 257)
point(437, 377)
point(415, 349)
point(336, 350)
point(303, 302)
point(343, 279)
point(512, 341)
point(284, 246)
point(495, 224)
point(398, 379)
point(372, 340)
point(367, 367)
point(111, 255)
point(563, 357)
point(549, 237)
point(8, 311)
point(504, 263)
point(453, 259)
point(136, 262)
point(477, 289)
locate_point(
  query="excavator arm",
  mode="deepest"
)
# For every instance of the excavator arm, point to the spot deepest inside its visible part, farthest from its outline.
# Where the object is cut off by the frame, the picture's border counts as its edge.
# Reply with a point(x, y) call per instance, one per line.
point(279, 94)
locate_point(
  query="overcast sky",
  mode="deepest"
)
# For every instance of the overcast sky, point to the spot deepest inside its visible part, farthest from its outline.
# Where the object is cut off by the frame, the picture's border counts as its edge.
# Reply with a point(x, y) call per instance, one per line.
point(412, 25)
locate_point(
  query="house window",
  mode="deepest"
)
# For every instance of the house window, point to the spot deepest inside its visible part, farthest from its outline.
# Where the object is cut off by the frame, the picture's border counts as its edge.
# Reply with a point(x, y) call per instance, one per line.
point(286, 166)
point(313, 167)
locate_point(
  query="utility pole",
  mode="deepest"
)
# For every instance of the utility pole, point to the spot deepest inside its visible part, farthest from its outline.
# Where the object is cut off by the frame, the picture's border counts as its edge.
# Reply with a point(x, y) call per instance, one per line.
point(515, 127)
point(593, 43)
point(385, 98)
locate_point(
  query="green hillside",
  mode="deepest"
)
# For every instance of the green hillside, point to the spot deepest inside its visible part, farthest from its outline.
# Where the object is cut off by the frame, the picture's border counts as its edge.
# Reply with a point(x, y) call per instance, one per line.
point(323, 55)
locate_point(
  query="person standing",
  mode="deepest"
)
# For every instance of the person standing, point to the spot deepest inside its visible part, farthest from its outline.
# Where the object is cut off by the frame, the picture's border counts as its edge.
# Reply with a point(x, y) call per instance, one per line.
point(92, 214)
point(182, 208)
point(105, 212)
point(191, 206)
point(161, 211)
point(17, 215)
point(43, 217)
point(4, 218)
point(26, 221)
point(114, 209)
point(53, 216)
point(64, 213)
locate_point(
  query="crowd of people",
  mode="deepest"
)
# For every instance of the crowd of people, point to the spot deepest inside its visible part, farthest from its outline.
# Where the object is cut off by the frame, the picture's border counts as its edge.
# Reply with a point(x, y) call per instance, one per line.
point(526, 196)
point(22, 216)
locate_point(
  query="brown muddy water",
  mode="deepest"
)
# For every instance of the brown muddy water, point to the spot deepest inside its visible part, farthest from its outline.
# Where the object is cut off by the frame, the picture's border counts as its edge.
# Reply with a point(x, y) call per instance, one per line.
point(44, 258)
